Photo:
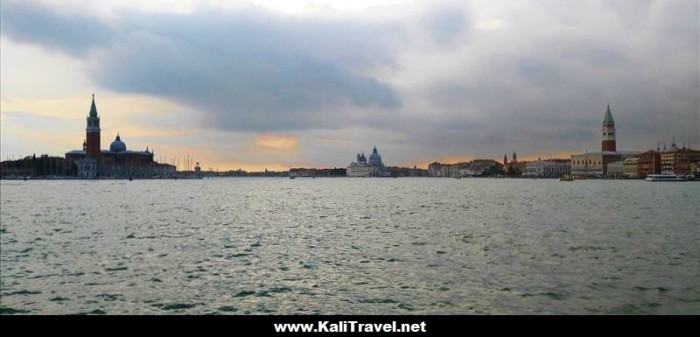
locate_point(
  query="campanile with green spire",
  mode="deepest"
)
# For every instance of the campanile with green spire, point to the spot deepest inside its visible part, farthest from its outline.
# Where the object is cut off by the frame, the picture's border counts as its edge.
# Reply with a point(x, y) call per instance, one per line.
point(609, 132)
point(92, 133)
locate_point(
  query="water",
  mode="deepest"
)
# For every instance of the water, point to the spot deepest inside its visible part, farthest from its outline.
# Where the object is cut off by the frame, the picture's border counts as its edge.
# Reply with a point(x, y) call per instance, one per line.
point(349, 246)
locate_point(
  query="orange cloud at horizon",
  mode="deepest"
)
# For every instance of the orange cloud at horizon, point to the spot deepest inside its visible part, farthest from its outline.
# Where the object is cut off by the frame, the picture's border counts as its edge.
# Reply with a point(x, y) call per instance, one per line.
point(277, 143)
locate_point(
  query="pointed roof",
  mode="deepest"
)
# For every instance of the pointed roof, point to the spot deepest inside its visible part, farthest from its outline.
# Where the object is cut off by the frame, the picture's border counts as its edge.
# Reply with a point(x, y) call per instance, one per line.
point(118, 138)
point(608, 117)
point(375, 150)
point(93, 108)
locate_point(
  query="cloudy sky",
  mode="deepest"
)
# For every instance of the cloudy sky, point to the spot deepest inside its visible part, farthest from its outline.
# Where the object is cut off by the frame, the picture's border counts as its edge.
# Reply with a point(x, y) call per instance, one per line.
point(280, 84)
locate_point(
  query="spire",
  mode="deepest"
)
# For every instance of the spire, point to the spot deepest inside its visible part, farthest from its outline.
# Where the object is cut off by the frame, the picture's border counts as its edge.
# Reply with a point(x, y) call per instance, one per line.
point(608, 117)
point(119, 139)
point(375, 150)
point(93, 108)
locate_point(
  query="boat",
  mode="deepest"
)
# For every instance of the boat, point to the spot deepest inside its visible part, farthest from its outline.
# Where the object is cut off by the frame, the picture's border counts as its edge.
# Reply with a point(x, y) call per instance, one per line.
point(566, 178)
point(292, 177)
point(665, 177)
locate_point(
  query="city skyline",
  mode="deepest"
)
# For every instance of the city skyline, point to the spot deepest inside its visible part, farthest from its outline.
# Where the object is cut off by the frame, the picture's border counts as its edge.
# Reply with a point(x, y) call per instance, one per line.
point(275, 85)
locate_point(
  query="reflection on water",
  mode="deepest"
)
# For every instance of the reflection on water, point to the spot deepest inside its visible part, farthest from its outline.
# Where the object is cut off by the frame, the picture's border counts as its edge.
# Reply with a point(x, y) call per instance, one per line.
point(349, 246)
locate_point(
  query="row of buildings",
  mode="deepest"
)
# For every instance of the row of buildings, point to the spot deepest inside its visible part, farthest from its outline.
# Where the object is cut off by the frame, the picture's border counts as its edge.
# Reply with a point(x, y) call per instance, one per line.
point(611, 163)
point(478, 167)
point(678, 161)
point(607, 163)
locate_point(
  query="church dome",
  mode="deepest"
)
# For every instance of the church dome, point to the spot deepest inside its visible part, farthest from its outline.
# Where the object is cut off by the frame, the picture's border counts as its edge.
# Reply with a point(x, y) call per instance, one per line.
point(375, 158)
point(117, 145)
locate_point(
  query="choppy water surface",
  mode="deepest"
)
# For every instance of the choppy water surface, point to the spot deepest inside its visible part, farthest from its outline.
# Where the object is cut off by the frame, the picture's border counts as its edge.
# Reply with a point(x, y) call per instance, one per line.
point(349, 246)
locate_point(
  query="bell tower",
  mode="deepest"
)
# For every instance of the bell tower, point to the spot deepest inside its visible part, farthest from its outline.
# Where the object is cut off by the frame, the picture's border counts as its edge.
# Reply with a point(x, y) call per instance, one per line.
point(609, 132)
point(92, 133)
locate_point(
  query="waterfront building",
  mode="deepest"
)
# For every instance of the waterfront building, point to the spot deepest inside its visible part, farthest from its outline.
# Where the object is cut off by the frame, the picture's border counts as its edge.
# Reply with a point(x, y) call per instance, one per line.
point(364, 168)
point(648, 163)
point(615, 169)
point(435, 169)
point(629, 168)
point(467, 170)
point(92, 162)
point(551, 168)
point(679, 161)
point(485, 167)
point(592, 164)
point(623, 168)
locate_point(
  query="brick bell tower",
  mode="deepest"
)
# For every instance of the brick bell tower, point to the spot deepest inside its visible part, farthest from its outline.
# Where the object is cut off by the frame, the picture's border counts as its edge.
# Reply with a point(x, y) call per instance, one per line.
point(92, 134)
point(609, 132)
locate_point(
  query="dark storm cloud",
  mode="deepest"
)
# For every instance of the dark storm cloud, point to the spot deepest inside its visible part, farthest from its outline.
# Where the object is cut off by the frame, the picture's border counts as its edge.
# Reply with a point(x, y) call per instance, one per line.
point(74, 34)
point(245, 69)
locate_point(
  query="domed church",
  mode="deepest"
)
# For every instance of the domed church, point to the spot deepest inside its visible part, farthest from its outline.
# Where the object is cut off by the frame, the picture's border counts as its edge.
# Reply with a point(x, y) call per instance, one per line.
point(117, 162)
point(363, 168)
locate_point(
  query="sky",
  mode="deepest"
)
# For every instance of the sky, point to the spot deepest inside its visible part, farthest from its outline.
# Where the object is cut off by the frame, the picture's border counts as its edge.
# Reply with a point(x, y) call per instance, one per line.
point(280, 84)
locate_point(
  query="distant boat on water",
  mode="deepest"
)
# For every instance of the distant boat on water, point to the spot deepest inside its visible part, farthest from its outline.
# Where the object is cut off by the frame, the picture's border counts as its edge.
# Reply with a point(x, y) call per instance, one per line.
point(665, 177)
